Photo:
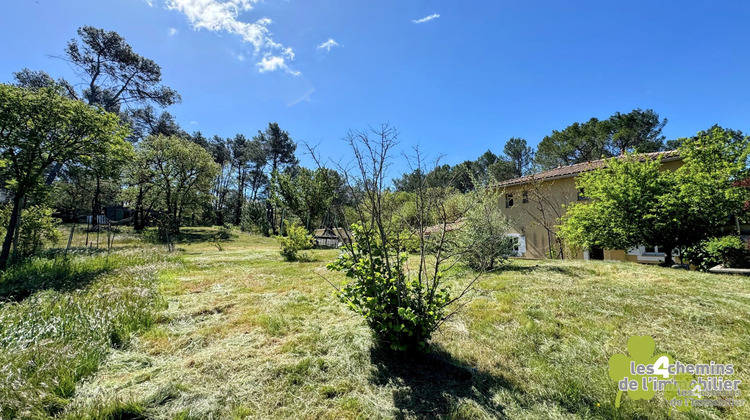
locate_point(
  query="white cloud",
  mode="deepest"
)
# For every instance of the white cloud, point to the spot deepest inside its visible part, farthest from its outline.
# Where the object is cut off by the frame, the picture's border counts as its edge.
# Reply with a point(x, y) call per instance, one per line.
point(273, 63)
point(328, 44)
point(426, 18)
point(193, 122)
point(223, 16)
point(173, 31)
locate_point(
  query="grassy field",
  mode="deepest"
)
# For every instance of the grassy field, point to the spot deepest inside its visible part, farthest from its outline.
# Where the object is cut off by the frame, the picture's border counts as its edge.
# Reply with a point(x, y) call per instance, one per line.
point(238, 333)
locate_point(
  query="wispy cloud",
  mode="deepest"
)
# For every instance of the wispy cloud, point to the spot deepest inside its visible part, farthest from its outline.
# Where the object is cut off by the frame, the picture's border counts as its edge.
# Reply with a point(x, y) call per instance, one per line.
point(328, 45)
point(224, 16)
point(173, 31)
point(275, 62)
point(193, 122)
point(304, 98)
point(426, 18)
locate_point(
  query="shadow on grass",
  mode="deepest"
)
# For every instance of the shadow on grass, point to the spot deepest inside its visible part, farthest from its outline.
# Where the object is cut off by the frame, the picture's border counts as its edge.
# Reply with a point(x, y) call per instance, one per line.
point(548, 268)
point(195, 235)
point(432, 385)
point(186, 236)
point(22, 280)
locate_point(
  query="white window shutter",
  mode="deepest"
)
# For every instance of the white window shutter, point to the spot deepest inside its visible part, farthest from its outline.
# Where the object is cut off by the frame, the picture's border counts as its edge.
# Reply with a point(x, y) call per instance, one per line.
point(521, 245)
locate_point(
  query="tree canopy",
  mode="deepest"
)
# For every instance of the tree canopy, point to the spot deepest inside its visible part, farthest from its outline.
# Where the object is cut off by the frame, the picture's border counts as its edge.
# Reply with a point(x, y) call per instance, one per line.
point(40, 127)
point(633, 201)
point(181, 173)
point(113, 74)
point(636, 131)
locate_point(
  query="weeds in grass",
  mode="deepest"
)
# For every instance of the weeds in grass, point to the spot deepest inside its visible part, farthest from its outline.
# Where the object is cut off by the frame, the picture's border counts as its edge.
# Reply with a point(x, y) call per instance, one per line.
point(60, 333)
point(63, 274)
point(247, 336)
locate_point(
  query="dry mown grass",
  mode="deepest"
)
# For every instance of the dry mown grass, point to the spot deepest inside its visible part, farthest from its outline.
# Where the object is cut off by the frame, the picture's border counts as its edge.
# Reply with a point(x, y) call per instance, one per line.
point(247, 335)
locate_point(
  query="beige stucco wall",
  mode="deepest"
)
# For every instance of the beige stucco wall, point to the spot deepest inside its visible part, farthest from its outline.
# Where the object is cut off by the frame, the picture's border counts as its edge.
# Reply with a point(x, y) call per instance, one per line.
point(546, 200)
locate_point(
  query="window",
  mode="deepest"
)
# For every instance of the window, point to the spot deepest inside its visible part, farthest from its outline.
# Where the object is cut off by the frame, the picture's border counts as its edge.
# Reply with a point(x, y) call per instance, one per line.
point(508, 201)
point(525, 196)
point(653, 250)
point(581, 195)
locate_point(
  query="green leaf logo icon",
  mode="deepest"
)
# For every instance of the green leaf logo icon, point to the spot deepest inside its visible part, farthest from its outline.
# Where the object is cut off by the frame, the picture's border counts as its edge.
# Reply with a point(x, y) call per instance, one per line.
point(641, 350)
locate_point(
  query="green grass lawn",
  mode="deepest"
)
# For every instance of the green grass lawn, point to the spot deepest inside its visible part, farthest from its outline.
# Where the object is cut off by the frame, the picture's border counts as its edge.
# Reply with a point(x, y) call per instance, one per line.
point(239, 333)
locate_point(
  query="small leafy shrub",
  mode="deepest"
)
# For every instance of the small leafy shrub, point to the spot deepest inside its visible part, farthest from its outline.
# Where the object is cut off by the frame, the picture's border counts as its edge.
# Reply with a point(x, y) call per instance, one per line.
point(698, 256)
point(482, 233)
point(37, 230)
point(223, 235)
point(730, 251)
point(407, 241)
point(401, 311)
point(297, 239)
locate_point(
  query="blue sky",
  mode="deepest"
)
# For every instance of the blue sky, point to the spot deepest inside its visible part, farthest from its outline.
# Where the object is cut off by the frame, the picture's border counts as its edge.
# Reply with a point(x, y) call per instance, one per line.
point(456, 77)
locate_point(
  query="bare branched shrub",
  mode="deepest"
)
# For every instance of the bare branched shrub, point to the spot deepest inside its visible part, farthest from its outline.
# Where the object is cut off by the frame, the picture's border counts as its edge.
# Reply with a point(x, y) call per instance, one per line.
point(403, 299)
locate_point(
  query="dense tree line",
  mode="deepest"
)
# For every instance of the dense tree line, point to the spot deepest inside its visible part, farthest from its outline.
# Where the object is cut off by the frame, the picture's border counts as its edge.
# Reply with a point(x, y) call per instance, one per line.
point(74, 148)
point(594, 139)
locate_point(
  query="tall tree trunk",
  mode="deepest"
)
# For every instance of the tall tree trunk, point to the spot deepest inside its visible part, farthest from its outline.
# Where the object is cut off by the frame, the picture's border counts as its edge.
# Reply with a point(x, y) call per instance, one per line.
point(668, 261)
point(10, 233)
point(139, 222)
point(95, 201)
point(240, 196)
point(272, 218)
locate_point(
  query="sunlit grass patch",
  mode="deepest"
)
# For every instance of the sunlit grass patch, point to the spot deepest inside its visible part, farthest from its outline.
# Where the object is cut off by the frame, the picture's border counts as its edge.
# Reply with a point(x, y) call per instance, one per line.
point(75, 312)
point(243, 334)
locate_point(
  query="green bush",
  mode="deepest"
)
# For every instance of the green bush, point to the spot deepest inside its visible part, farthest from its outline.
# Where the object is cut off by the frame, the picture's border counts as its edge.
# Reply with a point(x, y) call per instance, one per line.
point(297, 239)
point(482, 234)
point(407, 241)
point(224, 234)
point(399, 309)
point(698, 257)
point(37, 230)
point(729, 251)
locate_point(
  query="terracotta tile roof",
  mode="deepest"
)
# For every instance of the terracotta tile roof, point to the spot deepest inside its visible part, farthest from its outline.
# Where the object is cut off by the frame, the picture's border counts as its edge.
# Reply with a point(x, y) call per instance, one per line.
point(573, 170)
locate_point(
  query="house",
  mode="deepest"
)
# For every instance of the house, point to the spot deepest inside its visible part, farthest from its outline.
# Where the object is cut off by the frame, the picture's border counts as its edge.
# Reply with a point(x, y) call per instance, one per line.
point(533, 204)
point(332, 237)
